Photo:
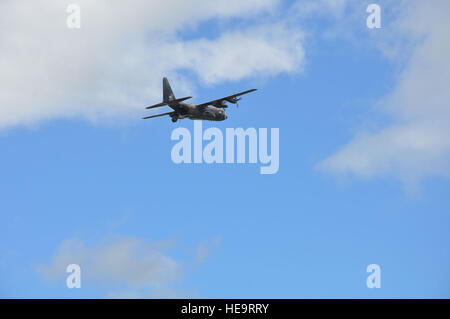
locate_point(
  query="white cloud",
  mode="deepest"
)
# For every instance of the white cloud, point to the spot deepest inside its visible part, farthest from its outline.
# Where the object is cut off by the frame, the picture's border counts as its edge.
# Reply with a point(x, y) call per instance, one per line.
point(127, 261)
point(334, 8)
point(416, 144)
point(264, 50)
point(127, 267)
point(113, 65)
point(204, 249)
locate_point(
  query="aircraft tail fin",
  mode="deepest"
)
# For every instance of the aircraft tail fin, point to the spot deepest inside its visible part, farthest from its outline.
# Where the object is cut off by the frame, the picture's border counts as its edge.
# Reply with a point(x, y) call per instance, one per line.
point(168, 95)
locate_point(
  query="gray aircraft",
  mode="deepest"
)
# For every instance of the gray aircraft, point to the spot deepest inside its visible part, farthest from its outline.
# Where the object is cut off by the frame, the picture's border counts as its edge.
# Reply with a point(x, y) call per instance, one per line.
point(211, 111)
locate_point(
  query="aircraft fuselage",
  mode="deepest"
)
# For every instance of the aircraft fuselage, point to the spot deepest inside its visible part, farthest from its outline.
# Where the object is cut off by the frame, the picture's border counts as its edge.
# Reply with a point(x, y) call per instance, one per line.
point(191, 111)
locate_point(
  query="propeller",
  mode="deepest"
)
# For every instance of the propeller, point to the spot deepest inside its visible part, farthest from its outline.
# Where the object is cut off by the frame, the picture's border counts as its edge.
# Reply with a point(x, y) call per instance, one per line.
point(234, 100)
point(237, 104)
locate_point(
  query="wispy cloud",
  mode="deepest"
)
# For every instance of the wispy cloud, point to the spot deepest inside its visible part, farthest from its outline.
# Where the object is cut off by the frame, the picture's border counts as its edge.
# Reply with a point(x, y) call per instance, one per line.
point(416, 144)
point(204, 249)
point(127, 267)
point(314, 8)
point(129, 262)
point(265, 50)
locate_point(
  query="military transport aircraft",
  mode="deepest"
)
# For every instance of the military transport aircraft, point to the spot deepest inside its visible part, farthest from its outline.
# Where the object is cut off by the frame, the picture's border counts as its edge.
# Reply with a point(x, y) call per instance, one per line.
point(211, 111)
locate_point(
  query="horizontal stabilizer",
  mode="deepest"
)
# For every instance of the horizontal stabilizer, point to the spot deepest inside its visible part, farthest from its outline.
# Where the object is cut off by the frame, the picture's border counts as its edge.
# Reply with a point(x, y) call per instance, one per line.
point(171, 102)
point(156, 105)
point(157, 115)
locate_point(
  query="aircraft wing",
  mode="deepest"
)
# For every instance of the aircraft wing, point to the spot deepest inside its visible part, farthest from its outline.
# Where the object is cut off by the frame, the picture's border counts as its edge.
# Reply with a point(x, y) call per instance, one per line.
point(230, 98)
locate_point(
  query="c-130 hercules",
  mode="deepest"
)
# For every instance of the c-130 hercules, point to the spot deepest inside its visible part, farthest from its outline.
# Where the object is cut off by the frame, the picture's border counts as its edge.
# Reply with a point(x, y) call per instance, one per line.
point(211, 111)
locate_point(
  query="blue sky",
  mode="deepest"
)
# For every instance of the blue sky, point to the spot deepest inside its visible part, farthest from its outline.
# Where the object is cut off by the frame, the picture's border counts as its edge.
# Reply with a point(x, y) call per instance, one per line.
point(77, 186)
